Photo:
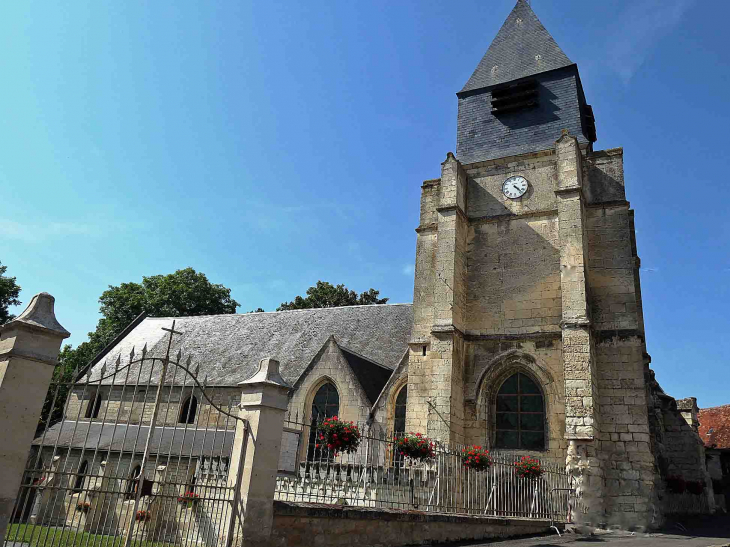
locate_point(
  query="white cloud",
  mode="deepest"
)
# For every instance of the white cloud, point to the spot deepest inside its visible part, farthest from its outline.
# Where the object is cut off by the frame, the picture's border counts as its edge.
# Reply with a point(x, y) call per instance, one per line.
point(408, 269)
point(649, 270)
point(639, 28)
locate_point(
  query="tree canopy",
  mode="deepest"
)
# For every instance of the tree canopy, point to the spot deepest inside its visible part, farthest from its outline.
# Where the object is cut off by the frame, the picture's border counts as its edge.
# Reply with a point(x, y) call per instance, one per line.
point(9, 292)
point(326, 295)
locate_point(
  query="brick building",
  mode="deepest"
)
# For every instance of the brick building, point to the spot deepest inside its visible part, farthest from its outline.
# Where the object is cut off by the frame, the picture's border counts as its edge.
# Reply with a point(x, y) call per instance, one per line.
point(526, 331)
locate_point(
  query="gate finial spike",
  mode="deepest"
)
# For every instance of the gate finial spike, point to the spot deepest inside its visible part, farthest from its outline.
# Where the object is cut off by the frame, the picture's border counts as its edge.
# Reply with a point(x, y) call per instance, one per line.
point(144, 350)
point(205, 381)
point(189, 361)
point(103, 371)
point(131, 354)
point(118, 361)
point(197, 367)
point(179, 355)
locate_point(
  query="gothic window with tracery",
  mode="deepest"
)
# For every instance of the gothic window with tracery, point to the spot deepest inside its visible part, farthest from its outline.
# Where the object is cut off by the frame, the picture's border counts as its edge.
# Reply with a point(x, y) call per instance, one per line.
point(326, 404)
point(520, 414)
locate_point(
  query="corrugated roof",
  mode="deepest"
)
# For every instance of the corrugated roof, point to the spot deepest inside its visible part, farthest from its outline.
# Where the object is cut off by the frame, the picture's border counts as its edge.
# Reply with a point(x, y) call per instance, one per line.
point(523, 47)
point(228, 348)
point(715, 426)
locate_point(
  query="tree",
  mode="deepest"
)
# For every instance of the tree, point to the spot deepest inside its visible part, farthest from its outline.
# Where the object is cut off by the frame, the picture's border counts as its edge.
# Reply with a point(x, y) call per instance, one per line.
point(326, 295)
point(183, 293)
point(9, 292)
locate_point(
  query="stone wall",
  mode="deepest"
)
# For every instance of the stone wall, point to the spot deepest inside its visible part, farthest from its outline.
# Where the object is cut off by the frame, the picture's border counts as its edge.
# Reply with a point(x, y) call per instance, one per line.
point(296, 524)
point(134, 404)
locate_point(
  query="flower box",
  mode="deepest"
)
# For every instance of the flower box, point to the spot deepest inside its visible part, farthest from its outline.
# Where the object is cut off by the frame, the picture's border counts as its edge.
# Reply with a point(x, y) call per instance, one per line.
point(189, 499)
point(476, 458)
point(337, 436)
point(528, 468)
point(83, 507)
point(142, 516)
point(415, 446)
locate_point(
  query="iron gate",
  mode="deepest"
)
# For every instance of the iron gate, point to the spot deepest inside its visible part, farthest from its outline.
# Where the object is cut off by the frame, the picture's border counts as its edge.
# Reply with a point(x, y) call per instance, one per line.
point(142, 455)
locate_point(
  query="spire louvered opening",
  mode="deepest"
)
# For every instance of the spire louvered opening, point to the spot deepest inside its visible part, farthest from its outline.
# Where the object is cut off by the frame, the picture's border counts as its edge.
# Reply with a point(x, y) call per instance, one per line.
point(514, 97)
point(590, 123)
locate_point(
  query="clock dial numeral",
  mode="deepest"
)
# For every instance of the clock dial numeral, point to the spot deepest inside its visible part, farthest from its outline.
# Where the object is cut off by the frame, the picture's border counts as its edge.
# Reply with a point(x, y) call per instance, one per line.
point(514, 187)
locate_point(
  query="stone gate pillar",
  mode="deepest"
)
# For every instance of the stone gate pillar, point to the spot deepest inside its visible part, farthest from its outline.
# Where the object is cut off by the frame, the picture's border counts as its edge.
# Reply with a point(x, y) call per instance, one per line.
point(29, 347)
point(263, 403)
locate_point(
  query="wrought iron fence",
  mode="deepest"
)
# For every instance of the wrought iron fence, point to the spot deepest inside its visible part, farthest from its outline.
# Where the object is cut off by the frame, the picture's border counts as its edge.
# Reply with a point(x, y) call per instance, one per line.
point(377, 475)
point(132, 461)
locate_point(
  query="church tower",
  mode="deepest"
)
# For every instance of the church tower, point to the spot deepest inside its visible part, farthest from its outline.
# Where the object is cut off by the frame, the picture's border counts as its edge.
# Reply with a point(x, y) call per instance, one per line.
point(528, 332)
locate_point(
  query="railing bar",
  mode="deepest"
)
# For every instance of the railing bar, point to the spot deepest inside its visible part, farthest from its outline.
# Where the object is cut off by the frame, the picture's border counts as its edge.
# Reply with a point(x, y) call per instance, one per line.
point(65, 464)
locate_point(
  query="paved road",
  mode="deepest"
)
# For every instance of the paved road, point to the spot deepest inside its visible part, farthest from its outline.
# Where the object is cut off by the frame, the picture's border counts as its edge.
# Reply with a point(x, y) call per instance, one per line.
point(707, 532)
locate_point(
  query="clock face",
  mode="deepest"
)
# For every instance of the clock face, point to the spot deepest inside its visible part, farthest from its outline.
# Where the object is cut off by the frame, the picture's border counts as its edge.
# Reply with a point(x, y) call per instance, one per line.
point(514, 187)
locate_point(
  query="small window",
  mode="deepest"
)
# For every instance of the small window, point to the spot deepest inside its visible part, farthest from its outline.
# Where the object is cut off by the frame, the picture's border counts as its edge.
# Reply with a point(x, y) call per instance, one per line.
point(133, 482)
point(188, 411)
point(81, 476)
point(520, 414)
point(399, 420)
point(94, 406)
point(424, 351)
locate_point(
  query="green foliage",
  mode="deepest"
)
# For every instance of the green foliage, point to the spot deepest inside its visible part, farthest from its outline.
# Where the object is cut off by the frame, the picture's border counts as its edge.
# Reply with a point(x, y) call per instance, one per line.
point(528, 468)
point(46, 536)
point(415, 446)
point(9, 292)
point(183, 293)
point(326, 295)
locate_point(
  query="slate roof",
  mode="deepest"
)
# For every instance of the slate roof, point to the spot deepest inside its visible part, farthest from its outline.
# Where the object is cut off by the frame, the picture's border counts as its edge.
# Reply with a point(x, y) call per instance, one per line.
point(131, 438)
point(523, 47)
point(716, 419)
point(228, 348)
point(372, 376)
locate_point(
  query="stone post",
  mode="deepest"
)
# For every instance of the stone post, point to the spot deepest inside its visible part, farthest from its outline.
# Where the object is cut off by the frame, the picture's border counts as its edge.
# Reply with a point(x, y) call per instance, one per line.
point(29, 346)
point(263, 404)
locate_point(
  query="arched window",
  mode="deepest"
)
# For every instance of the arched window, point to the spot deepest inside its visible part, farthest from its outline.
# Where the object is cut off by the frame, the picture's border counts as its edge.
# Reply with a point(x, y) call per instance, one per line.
point(189, 408)
point(133, 482)
point(399, 421)
point(80, 476)
point(520, 414)
point(399, 415)
point(326, 404)
point(94, 406)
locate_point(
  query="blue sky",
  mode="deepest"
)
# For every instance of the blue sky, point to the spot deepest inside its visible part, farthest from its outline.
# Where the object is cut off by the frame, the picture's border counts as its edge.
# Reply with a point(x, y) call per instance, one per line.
point(273, 144)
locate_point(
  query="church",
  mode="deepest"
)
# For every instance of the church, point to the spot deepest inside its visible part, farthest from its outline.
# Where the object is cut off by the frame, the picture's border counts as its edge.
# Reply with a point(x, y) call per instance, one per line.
point(526, 332)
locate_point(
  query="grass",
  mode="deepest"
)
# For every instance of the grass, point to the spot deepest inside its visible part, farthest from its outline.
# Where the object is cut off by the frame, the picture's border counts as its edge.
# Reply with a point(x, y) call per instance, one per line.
point(47, 536)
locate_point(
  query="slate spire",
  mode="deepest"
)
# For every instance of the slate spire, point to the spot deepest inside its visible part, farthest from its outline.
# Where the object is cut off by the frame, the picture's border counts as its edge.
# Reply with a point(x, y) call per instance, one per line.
point(523, 47)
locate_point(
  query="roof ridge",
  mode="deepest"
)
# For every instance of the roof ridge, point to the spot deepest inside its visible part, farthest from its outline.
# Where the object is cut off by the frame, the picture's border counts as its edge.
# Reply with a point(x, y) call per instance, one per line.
point(283, 311)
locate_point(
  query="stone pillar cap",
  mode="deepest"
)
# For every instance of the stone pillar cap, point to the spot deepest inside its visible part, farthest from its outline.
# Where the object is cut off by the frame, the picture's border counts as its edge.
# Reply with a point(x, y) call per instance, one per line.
point(268, 373)
point(40, 314)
